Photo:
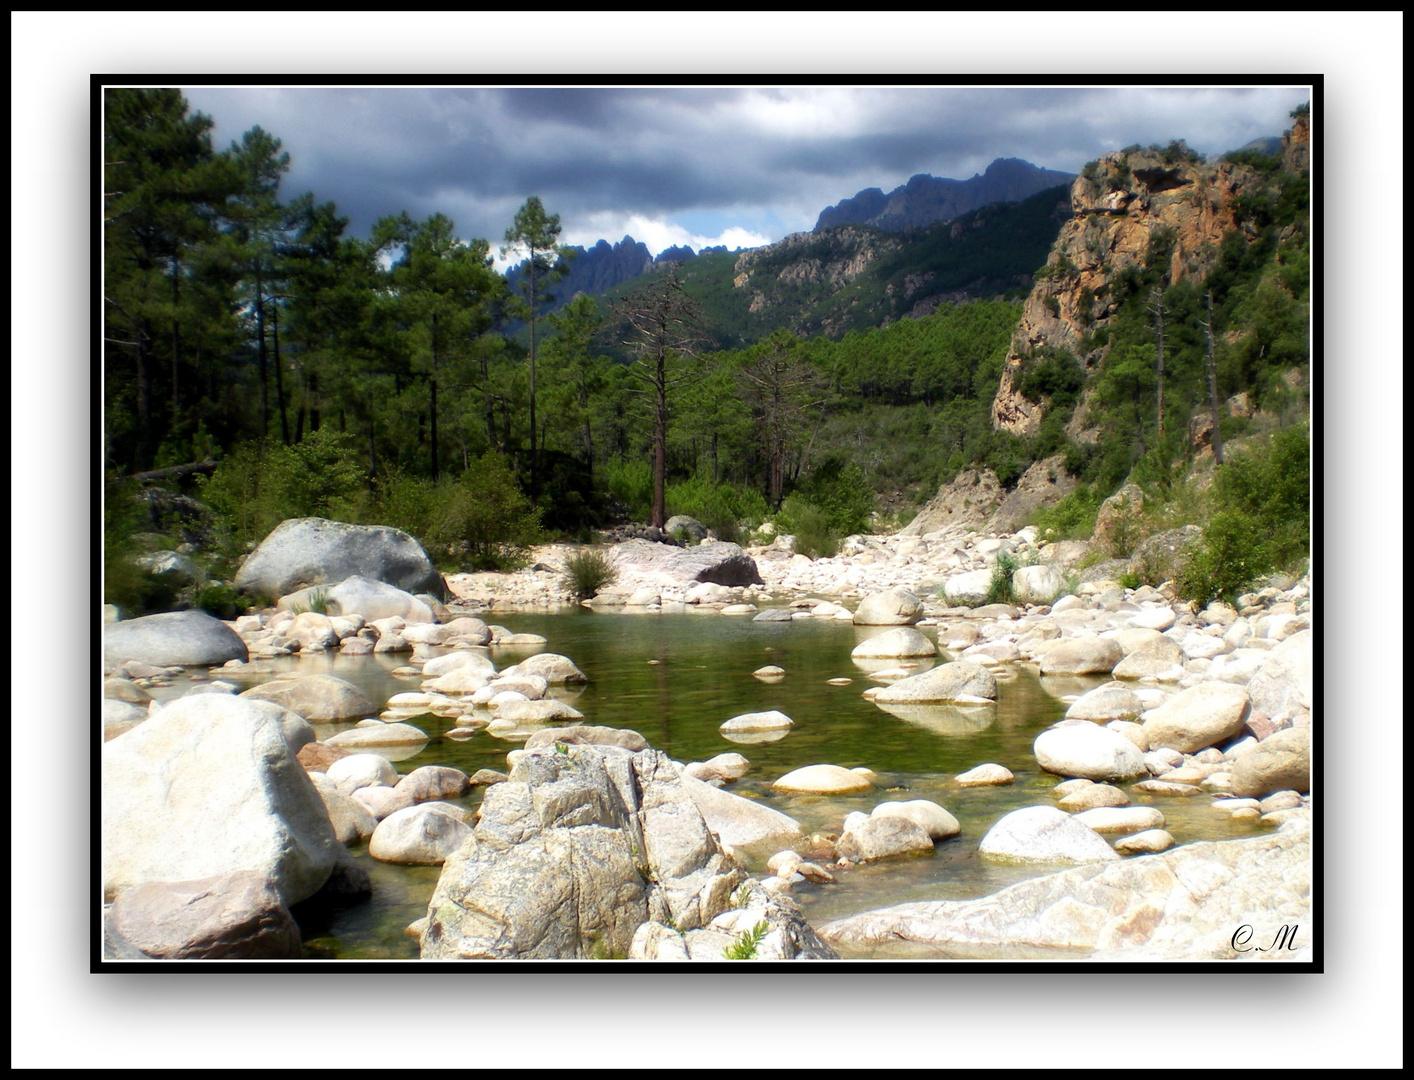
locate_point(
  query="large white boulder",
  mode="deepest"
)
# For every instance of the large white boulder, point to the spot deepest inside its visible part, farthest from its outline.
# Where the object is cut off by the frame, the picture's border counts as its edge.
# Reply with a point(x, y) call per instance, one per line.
point(315, 551)
point(211, 785)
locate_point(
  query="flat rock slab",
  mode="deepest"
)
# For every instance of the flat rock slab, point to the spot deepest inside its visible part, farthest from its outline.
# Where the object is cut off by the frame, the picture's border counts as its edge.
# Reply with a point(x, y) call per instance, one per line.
point(184, 638)
point(742, 824)
point(718, 562)
point(958, 682)
point(1183, 904)
point(314, 551)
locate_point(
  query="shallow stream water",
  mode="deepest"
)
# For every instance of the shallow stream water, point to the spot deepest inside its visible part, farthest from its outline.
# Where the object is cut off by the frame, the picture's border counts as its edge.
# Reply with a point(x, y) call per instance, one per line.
point(703, 676)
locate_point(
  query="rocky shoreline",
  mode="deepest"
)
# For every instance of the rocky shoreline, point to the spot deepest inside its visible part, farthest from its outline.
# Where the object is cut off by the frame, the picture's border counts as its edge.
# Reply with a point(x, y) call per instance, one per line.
point(1213, 705)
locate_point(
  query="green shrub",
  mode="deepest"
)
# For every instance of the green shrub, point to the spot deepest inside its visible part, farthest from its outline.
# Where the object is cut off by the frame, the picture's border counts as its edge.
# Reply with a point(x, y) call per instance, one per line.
point(126, 584)
point(999, 589)
point(724, 508)
point(254, 489)
point(839, 489)
point(1072, 518)
point(1261, 523)
point(631, 483)
point(587, 572)
point(745, 946)
point(484, 517)
point(219, 599)
point(810, 525)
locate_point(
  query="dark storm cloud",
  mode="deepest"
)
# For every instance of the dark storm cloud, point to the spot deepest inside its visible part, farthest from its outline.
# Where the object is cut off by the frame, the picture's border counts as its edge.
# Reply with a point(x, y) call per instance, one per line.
point(600, 157)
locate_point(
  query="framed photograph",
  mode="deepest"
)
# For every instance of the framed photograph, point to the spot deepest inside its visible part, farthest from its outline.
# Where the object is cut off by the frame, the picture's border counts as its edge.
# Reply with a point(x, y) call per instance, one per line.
point(714, 526)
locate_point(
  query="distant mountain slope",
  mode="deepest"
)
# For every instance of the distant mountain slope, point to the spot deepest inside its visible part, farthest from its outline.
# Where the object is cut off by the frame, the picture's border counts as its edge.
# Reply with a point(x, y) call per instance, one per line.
point(927, 199)
point(858, 277)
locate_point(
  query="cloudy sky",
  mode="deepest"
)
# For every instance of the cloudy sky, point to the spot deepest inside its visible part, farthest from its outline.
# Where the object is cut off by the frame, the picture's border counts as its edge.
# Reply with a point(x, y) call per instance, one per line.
point(740, 166)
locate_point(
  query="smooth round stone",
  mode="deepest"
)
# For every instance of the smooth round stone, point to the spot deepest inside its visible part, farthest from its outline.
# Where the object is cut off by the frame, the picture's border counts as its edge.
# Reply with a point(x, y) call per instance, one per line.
point(1160, 659)
point(1168, 787)
point(1082, 749)
point(1046, 835)
point(1281, 762)
point(841, 681)
point(897, 607)
point(1105, 703)
point(1198, 717)
point(552, 667)
point(1159, 618)
point(1070, 787)
point(461, 680)
point(378, 734)
point(1144, 843)
point(315, 697)
point(724, 767)
point(382, 801)
point(1248, 813)
point(822, 780)
point(900, 642)
point(1082, 656)
point(770, 671)
point(1131, 731)
point(419, 835)
point(739, 609)
point(537, 712)
point(932, 818)
point(1280, 800)
point(355, 771)
point(1096, 795)
point(771, 720)
point(883, 837)
point(1121, 819)
point(985, 775)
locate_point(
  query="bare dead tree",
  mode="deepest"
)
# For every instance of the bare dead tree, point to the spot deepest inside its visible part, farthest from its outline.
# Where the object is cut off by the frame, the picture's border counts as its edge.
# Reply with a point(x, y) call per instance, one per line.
point(662, 331)
point(783, 390)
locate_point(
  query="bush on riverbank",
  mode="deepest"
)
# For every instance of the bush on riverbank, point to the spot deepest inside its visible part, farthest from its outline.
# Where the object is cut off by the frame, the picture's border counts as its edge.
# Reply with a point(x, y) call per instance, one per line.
point(1261, 519)
point(587, 572)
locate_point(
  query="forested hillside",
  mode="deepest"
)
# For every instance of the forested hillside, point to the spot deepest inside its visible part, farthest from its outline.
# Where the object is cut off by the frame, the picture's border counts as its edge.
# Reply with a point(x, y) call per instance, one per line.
point(265, 363)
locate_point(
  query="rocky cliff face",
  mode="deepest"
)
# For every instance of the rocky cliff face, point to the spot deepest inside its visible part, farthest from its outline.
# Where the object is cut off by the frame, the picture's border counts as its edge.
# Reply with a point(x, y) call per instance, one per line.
point(1129, 203)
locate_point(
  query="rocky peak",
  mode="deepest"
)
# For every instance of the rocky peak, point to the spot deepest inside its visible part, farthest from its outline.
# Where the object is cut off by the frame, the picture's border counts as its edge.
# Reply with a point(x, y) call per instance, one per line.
point(926, 199)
